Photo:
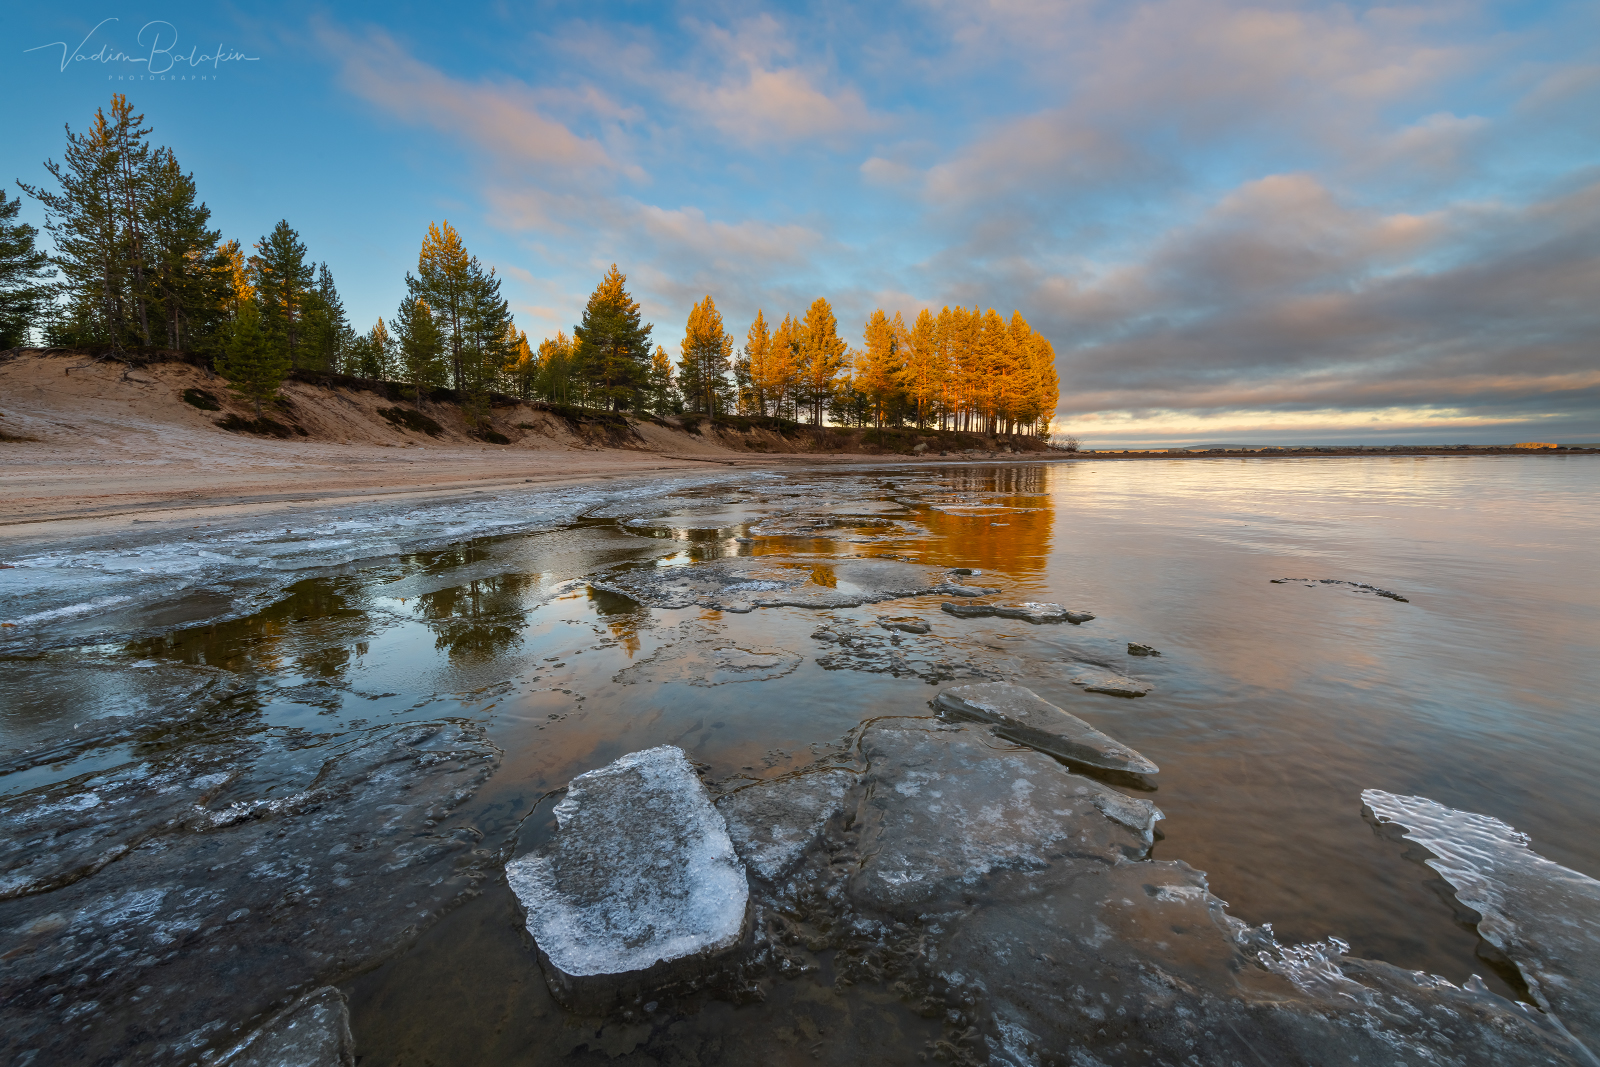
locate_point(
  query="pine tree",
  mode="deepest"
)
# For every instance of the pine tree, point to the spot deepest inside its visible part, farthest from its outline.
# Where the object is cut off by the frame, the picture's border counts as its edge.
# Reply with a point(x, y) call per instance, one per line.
point(253, 367)
point(285, 281)
point(373, 355)
point(84, 222)
point(613, 345)
point(663, 392)
point(326, 329)
point(485, 321)
point(132, 157)
point(822, 357)
point(707, 348)
point(184, 283)
point(444, 275)
point(421, 346)
point(22, 270)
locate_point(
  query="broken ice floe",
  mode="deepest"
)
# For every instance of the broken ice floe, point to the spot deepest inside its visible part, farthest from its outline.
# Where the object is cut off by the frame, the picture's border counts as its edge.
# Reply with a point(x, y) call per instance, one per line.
point(949, 588)
point(998, 891)
point(710, 661)
point(902, 652)
point(905, 624)
point(150, 866)
point(740, 583)
point(941, 811)
point(1543, 916)
point(1029, 611)
point(1020, 715)
point(312, 1032)
point(772, 823)
point(1100, 680)
point(640, 883)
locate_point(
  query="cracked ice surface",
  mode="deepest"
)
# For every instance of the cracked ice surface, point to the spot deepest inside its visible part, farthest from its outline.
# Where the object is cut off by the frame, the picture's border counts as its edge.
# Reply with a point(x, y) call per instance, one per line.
point(1542, 915)
point(641, 871)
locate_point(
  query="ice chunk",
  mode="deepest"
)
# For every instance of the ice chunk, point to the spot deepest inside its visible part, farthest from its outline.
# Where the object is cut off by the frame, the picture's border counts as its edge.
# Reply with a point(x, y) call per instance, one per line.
point(1029, 611)
point(772, 823)
point(952, 589)
point(315, 1032)
point(1099, 680)
point(1543, 916)
point(736, 583)
point(941, 810)
point(1022, 716)
point(641, 874)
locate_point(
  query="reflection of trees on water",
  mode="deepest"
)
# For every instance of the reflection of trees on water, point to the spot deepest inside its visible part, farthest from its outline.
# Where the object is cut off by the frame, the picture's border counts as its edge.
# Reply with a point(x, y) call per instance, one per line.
point(1020, 544)
point(308, 632)
point(480, 619)
point(622, 617)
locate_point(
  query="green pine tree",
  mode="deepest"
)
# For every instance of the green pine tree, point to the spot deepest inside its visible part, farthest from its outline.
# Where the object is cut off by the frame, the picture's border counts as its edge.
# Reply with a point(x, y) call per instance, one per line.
point(613, 344)
point(326, 328)
point(422, 364)
point(185, 289)
point(22, 267)
point(253, 366)
point(284, 283)
point(485, 326)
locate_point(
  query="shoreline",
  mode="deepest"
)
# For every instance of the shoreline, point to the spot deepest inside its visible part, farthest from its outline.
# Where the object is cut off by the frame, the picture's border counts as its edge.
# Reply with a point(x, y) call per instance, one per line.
point(442, 478)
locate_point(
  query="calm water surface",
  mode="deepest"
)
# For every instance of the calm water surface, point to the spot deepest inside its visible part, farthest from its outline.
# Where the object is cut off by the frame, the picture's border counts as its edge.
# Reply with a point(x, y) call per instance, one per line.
point(1273, 705)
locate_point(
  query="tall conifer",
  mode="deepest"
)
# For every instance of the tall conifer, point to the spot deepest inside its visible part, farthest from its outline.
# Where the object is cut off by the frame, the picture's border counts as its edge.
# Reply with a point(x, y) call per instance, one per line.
point(285, 281)
point(23, 269)
point(613, 343)
point(421, 347)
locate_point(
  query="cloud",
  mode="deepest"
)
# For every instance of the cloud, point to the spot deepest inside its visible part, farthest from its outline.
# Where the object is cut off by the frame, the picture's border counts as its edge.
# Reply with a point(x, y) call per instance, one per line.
point(1284, 297)
point(502, 119)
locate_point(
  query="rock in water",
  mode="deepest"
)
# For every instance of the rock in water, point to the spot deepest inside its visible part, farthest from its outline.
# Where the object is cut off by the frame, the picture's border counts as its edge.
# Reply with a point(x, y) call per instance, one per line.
point(773, 823)
point(1029, 611)
point(1543, 916)
point(315, 1032)
point(640, 887)
point(1141, 650)
point(1100, 680)
point(1022, 716)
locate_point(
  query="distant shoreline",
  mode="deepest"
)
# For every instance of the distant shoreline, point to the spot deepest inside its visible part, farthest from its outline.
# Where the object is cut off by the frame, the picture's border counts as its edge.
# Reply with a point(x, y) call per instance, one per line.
point(1347, 450)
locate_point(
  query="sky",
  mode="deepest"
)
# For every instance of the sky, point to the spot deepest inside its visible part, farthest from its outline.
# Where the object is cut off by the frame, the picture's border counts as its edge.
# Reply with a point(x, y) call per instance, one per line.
point(1237, 223)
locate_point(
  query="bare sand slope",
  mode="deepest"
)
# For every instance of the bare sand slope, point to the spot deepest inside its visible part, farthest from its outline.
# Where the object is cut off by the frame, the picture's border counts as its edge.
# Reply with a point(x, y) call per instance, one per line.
point(105, 444)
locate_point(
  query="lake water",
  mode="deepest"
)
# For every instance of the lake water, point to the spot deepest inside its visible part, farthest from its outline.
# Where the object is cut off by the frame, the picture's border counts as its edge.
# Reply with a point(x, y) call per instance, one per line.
point(1272, 704)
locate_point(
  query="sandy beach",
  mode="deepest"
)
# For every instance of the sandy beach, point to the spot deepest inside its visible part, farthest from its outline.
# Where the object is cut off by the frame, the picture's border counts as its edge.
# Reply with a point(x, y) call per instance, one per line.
point(106, 450)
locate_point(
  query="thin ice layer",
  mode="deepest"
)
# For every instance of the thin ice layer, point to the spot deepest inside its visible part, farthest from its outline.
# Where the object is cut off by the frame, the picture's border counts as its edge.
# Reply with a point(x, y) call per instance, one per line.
point(641, 870)
point(772, 823)
point(1022, 716)
point(1544, 916)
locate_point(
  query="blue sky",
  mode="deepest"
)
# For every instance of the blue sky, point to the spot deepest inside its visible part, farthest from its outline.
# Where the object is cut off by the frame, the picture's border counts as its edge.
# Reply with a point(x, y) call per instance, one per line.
point(1270, 222)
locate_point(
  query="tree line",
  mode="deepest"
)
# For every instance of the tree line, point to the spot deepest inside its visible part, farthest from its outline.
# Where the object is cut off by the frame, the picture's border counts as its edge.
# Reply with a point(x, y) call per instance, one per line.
point(136, 265)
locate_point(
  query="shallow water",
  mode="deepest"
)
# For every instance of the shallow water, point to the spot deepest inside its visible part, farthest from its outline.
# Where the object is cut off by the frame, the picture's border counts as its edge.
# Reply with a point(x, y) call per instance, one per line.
point(1272, 707)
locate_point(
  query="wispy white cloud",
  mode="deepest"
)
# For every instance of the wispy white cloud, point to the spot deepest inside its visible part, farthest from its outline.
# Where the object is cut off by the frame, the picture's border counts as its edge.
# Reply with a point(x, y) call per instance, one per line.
point(501, 119)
